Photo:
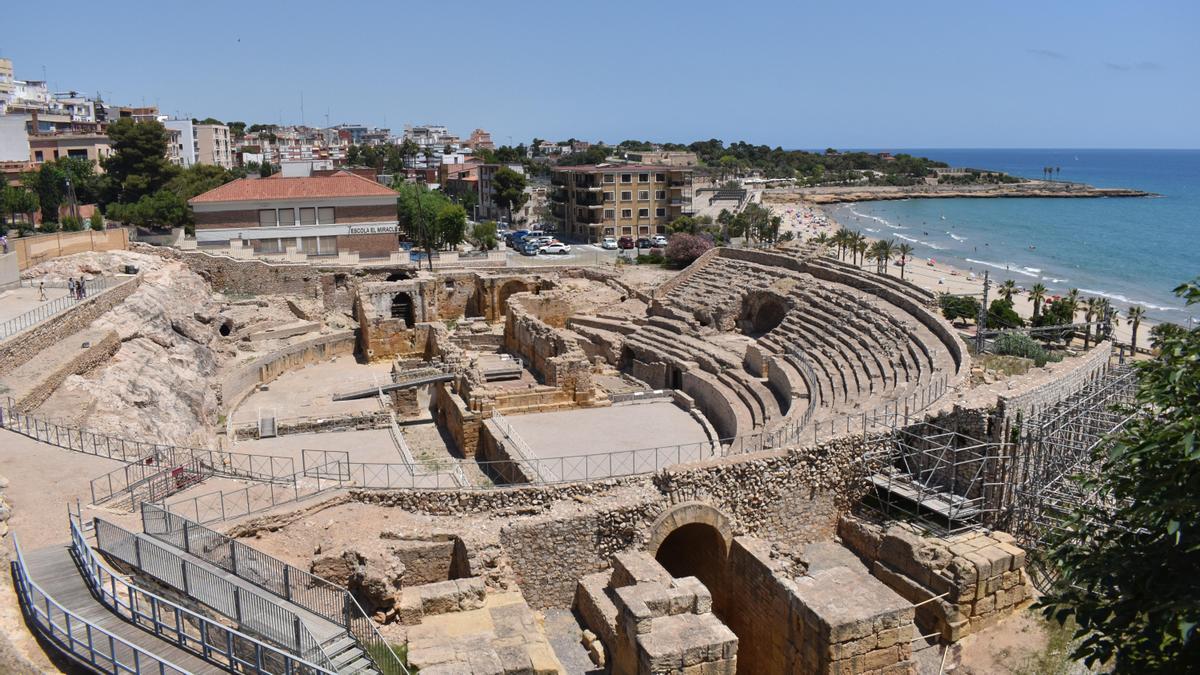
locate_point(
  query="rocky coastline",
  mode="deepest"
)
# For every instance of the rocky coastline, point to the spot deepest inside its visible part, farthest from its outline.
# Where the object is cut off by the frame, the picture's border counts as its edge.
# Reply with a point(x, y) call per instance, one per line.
point(836, 195)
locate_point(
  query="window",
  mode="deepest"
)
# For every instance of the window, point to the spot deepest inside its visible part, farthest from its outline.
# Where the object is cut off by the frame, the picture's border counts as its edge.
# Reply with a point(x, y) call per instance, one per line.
point(325, 215)
point(608, 196)
point(660, 177)
point(626, 195)
point(643, 195)
point(660, 194)
point(55, 154)
point(266, 218)
point(609, 214)
point(80, 154)
point(38, 156)
point(626, 178)
point(660, 212)
point(643, 213)
point(610, 177)
point(626, 230)
point(626, 213)
point(643, 178)
point(287, 217)
point(308, 216)
point(267, 245)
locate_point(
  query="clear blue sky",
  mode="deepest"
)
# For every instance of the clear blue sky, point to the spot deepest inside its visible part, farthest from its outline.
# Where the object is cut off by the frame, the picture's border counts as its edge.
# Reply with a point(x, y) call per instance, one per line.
point(858, 74)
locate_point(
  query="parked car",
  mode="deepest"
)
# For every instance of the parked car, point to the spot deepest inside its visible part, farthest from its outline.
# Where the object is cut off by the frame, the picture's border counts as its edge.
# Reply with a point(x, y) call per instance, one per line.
point(514, 238)
point(659, 239)
point(556, 247)
point(609, 243)
point(645, 242)
point(625, 242)
point(529, 248)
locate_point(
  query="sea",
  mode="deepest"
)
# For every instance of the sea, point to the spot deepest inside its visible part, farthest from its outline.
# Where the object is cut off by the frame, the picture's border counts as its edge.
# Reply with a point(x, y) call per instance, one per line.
point(1130, 250)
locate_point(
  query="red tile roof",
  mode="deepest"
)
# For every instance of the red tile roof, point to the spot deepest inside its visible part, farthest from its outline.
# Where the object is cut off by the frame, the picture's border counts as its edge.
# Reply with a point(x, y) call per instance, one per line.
point(340, 184)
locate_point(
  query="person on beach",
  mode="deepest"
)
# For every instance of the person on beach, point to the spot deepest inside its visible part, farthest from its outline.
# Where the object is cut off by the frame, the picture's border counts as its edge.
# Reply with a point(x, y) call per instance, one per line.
point(41, 291)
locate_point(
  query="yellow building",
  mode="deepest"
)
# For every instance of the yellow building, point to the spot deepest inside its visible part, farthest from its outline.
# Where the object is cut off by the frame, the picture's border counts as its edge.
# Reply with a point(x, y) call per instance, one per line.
point(593, 201)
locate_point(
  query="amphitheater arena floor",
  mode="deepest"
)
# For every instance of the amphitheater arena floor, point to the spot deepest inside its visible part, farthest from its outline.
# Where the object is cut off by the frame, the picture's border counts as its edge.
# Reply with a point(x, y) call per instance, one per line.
point(594, 431)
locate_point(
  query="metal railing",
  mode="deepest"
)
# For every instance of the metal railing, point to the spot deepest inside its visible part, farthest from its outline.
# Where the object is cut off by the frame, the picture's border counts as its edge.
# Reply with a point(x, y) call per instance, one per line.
point(293, 584)
point(56, 306)
point(252, 612)
point(186, 629)
point(78, 637)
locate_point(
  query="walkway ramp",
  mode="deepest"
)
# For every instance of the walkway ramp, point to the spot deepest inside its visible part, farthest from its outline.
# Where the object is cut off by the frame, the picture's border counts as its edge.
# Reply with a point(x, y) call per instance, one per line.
point(54, 570)
point(394, 386)
point(256, 611)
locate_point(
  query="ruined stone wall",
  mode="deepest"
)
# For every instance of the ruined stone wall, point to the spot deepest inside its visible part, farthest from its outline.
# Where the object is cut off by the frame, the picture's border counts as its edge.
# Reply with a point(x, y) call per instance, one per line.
point(551, 553)
point(833, 620)
point(787, 497)
point(716, 407)
point(681, 278)
point(1066, 378)
point(241, 380)
point(559, 361)
point(92, 357)
point(980, 575)
point(20, 348)
point(459, 421)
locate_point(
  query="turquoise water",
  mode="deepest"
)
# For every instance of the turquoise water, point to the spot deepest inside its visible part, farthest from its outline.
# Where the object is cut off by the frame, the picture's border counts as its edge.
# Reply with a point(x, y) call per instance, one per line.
point(1131, 250)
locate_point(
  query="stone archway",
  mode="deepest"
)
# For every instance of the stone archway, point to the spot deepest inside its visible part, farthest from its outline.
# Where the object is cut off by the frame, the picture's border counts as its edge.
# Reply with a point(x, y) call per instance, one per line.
point(761, 313)
point(506, 290)
point(692, 540)
point(402, 308)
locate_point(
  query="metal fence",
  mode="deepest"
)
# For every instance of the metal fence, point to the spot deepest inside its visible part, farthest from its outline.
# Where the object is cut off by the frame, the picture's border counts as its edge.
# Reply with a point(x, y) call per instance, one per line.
point(252, 612)
point(295, 585)
point(188, 630)
point(56, 306)
point(76, 636)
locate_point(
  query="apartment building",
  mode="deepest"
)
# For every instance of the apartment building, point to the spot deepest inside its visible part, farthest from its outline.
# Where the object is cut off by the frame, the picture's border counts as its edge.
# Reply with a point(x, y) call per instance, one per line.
point(213, 145)
point(593, 201)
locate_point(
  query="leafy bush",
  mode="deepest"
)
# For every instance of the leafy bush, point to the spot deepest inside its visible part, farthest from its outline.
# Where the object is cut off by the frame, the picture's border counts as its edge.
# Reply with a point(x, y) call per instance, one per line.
point(97, 221)
point(683, 249)
point(1002, 315)
point(958, 306)
point(1018, 344)
point(71, 224)
point(48, 227)
point(652, 258)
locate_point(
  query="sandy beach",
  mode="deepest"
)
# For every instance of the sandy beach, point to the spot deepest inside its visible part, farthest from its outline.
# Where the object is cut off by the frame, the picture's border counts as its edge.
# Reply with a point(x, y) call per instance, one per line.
point(808, 220)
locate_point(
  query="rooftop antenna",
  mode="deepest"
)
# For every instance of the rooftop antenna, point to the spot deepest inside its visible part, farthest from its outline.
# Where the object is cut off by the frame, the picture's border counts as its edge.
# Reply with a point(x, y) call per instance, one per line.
point(301, 108)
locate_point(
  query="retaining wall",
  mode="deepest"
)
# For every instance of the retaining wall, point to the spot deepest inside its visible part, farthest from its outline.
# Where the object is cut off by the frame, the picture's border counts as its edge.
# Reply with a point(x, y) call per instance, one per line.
point(238, 383)
point(19, 348)
point(82, 362)
point(33, 250)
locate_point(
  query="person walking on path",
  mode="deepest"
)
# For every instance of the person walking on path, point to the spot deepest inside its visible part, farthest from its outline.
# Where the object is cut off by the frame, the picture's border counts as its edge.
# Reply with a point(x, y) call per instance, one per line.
point(71, 286)
point(4, 242)
point(81, 288)
point(41, 291)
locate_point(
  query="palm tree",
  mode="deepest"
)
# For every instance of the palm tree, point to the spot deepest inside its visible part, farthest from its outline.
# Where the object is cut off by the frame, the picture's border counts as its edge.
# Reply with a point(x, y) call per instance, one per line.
point(1037, 294)
point(1091, 308)
point(841, 239)
point(860, 246)
point(1008, 289)
point(875, 252)
point(1134, 314)
point(888, 249)
point(903, 250)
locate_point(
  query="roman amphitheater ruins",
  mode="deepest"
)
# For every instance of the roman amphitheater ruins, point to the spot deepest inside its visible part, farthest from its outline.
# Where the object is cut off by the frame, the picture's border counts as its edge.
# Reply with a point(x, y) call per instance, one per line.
point(768, 462)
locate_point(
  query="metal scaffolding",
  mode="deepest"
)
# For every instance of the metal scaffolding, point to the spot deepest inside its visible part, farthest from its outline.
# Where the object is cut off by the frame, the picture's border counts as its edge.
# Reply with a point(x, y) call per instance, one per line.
point(1054, 447)
point(950, 481)
point(944, 479)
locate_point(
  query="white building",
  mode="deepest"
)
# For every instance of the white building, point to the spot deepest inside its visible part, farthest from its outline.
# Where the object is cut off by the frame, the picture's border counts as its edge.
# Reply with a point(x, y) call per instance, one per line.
point(187, 147)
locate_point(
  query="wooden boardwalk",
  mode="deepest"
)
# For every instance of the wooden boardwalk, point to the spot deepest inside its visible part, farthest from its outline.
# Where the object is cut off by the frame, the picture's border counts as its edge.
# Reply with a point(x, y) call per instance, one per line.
point(55, 571)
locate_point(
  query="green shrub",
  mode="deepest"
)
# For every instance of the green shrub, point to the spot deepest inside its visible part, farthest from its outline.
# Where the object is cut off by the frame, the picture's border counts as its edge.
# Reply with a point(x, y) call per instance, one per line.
point(653, 258)
point(1018, 344)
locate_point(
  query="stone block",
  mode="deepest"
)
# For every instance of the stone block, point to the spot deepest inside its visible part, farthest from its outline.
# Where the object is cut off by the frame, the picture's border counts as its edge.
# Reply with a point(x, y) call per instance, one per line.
point(1017, 553)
